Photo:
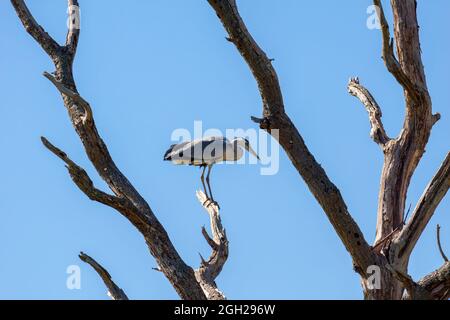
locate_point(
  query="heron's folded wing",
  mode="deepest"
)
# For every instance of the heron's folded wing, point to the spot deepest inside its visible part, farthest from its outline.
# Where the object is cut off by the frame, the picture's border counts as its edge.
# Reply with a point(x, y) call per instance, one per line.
point(202, 150)
point(174, 150)
point(212, 150)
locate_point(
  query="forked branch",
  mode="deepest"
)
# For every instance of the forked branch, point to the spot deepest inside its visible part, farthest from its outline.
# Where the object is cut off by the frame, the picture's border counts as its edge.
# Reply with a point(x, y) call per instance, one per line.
point(434, 286)
point(276, 120)
point(389, 58)
point(76, 98)
point(405, 151)
point(425, 208)
point(127, 200)
point(414, 291)
point(211, 268)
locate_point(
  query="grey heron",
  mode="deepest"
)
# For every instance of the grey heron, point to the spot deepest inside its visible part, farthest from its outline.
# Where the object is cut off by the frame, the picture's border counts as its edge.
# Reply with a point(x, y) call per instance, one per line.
point(206, 152)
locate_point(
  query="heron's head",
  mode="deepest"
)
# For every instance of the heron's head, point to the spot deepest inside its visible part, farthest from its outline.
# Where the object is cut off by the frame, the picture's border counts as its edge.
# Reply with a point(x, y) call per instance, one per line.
point(244, 143)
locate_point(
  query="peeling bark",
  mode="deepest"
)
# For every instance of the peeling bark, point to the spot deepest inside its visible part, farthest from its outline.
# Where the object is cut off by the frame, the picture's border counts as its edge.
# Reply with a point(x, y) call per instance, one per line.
point(211, 268)
point(401, 154)
point(275, 117)
point(395, 237)
point(125, 199)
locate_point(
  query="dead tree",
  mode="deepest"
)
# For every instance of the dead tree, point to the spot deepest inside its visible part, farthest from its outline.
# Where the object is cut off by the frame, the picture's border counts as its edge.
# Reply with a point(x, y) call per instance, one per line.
point(190, 284)
point(395, 238)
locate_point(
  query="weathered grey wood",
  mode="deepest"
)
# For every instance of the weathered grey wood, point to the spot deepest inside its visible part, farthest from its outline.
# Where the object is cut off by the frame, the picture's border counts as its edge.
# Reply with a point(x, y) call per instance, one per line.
point(425, 208)
point(114, 291)
point(395, 238)
point(377, 132)
point(404, 153)
point(434, 286)
point(437, 283)
point(274, 117)
point(401, 154)
point(126, 198)
point(211, 268)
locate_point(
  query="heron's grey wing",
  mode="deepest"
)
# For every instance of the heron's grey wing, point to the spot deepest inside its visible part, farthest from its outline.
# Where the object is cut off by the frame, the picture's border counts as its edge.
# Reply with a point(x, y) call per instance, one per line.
point(202, 151)
point(213, 138)
point(215, 150)
point(175, 149)
point(193, 151)
point(185, 152)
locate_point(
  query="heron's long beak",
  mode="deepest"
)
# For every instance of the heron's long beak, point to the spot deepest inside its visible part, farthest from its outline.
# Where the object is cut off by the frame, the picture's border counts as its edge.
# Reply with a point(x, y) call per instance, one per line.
point(250, 149)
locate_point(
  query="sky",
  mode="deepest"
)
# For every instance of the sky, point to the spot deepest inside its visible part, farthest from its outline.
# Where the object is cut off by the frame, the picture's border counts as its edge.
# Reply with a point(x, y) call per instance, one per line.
point(151, 67)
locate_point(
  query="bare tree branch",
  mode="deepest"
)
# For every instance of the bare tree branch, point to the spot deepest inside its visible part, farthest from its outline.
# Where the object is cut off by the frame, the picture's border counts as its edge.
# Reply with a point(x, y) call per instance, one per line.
point(438, 238)
point(181, 276)
point(274, 117)
point(425, 208)
point(85, 184)
point(414, 291)
point(394, 241)
point(114, 291)
point(434, 286)
point(437, 283)
point(256, 58)
point(35, 30)
point(403, 153)
point(388, 55)
point(76, 98)
point(377, 132)
point(211, 268)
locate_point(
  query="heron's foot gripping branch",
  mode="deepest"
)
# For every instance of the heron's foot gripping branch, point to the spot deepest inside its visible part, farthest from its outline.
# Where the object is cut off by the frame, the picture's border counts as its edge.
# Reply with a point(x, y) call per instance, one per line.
point(208, 202)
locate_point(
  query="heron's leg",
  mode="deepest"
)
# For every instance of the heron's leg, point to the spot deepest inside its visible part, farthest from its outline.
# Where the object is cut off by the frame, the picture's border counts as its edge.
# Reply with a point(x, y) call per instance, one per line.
point(209, 186)
point(208, 199)
point(207, 182)
point(203, 181)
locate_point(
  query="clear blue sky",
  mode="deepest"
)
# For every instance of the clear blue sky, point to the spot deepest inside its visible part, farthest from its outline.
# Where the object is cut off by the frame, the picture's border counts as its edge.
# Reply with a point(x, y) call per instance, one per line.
point(149, 67)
